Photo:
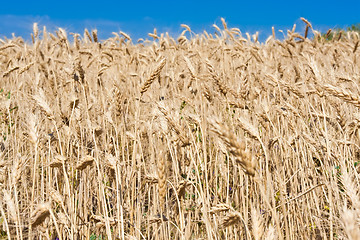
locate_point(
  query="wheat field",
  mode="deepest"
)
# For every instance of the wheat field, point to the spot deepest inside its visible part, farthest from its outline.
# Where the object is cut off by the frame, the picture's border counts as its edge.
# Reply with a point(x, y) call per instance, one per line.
point(204, 136)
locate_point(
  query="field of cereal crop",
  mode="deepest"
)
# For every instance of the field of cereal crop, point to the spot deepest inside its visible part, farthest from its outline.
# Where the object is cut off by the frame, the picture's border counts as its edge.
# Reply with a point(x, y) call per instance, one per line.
point(201, 136)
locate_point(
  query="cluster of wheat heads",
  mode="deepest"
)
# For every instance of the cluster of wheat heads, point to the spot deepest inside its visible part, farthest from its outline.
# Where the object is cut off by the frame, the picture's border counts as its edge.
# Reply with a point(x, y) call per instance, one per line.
point(207, 136)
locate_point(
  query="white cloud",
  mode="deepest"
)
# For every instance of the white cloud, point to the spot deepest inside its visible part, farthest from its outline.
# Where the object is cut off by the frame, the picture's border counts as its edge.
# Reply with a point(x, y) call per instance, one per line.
point(22, 26)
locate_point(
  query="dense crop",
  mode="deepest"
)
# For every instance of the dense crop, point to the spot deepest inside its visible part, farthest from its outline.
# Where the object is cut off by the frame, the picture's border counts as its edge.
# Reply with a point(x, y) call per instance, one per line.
point(210, 136)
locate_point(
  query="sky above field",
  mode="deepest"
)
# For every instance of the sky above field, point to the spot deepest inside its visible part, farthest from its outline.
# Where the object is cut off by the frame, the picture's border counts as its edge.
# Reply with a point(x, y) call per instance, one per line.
point(137, 18)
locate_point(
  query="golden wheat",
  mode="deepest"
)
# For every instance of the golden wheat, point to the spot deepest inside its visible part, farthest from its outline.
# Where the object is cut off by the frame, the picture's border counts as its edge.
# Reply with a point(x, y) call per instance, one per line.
point(196, 136)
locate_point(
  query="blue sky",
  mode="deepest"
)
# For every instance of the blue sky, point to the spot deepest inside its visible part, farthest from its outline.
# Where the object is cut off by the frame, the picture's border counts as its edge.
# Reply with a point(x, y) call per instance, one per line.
point(137, 18)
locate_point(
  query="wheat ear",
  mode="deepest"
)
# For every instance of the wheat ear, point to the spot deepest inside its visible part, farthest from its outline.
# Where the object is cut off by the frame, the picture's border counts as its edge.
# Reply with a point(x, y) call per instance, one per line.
point(39, 215)
point(236, 148)
point(153, 76)
point(343, 94)
point(185, 141)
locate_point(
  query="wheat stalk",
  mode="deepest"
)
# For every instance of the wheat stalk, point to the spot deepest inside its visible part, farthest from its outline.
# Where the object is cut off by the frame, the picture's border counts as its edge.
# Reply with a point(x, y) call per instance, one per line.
point(161, 166)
